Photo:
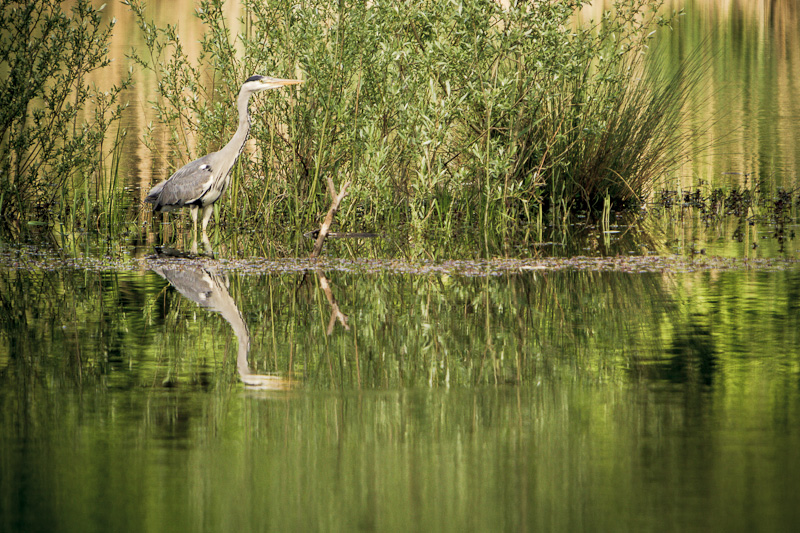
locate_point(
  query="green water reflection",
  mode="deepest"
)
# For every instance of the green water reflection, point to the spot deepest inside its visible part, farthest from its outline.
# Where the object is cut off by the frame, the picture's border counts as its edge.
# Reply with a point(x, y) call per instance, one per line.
point(570, 400)
point(181, 397)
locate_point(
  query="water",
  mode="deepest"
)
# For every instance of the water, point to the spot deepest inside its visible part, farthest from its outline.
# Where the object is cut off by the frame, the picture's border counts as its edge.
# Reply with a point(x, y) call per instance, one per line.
point(539, 400)
point(655, 391)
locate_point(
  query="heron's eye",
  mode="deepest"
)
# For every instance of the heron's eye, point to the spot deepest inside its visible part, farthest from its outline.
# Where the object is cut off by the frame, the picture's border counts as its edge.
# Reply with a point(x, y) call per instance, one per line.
point(205, 167)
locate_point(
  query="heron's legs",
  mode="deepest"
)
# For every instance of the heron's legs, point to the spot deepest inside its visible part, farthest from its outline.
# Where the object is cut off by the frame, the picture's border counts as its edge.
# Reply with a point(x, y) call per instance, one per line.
point(193, 209)
point(207, 212)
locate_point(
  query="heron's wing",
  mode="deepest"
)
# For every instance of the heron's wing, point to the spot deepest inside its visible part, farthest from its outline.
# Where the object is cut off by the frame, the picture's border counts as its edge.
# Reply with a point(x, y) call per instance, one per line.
point(187, 185)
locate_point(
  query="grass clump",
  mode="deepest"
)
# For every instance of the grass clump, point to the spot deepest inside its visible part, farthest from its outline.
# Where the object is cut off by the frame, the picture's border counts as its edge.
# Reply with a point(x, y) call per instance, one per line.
point(445, 115)
point(53, 125)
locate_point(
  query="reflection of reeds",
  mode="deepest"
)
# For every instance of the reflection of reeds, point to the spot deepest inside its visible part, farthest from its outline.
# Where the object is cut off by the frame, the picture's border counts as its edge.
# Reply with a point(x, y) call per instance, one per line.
point(448, 330)
point(406, 330)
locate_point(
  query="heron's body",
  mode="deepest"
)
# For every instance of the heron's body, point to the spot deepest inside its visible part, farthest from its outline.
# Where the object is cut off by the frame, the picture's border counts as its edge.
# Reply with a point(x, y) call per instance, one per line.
point(199, 184)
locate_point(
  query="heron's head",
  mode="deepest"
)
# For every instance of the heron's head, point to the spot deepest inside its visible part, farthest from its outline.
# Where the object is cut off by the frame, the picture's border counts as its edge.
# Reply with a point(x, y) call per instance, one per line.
point(255, 84)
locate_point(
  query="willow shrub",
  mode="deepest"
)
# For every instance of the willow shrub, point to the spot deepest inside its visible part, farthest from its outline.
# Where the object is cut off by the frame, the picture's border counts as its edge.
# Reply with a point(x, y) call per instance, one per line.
point(443, 114)
point(53, 124)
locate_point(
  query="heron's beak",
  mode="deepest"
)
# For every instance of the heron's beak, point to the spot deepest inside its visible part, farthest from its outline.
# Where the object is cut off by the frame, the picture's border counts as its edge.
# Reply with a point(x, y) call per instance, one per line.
point(276, 83)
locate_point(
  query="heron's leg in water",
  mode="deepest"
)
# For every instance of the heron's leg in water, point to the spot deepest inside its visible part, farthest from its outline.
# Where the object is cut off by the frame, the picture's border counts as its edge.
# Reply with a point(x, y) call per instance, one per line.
point(207, 212)
point(193, 209)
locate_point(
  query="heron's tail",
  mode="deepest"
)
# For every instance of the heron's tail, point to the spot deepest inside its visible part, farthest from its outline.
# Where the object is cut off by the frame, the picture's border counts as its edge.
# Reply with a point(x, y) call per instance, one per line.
point(152, 196)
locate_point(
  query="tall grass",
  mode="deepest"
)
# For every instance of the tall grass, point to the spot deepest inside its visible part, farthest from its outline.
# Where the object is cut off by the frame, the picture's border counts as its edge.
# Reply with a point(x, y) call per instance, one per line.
point(52, 123)
point(447, 116)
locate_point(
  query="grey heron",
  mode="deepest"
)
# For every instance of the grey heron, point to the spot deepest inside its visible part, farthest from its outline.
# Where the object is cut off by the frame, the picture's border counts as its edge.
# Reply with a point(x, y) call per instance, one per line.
point(202, 182)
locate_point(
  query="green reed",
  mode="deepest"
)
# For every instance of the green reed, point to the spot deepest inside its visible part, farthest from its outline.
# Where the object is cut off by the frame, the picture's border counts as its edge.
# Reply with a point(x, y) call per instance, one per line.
point(52, 122)
point(460, 116)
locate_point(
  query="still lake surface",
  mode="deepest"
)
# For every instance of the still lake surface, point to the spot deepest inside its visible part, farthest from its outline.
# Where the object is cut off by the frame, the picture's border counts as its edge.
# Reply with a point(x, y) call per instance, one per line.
point(558, 400)
point(659, 392)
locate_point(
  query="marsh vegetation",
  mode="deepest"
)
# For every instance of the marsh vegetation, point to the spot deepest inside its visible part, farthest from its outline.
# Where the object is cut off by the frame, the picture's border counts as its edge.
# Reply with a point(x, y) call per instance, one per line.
point(479, 117)
point(59, 147)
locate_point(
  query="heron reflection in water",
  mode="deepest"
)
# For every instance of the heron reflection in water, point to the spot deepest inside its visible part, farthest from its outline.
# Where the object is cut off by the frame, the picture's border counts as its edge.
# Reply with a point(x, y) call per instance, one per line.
point(208, 288)
point(202, 182)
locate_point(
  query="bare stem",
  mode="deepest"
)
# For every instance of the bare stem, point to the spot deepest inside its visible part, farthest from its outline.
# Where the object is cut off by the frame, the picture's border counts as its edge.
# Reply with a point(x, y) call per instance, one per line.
point(326, 224)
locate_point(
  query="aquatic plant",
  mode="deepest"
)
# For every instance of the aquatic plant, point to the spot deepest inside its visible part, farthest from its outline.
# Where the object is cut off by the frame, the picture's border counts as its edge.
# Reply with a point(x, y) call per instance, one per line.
point(444, 116)
point(53, 125)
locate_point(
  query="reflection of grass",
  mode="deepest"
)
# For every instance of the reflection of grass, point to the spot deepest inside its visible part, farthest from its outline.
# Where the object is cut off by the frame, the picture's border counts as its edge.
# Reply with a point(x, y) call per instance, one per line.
point(737, 214)
point(406, 331)
point(422, 325)
point(752, 109)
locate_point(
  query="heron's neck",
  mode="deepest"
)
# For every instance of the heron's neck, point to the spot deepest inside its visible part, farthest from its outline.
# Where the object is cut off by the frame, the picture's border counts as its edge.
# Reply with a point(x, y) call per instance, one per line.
point(236, 144)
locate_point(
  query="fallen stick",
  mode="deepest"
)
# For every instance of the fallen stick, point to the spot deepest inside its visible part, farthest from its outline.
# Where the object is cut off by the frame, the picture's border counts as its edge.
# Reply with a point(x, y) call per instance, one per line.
point(334, 235)
point(326, 224)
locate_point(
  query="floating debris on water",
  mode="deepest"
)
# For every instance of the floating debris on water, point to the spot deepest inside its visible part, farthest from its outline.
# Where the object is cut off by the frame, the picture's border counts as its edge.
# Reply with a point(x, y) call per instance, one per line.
point(45, 260)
